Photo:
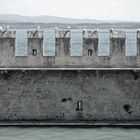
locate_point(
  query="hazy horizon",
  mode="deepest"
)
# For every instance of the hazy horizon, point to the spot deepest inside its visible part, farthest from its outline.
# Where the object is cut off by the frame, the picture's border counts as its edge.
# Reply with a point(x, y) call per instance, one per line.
point(78, 18)
point(125, 10)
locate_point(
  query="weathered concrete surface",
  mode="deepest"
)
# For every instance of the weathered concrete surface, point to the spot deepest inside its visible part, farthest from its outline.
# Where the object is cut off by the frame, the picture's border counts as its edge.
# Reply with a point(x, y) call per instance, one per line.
point(62, 58)
point(35, 34)
point(35, 47)
point(7, 34)
point(74, 97)
point(104, 62)
point(138, 48)
point(90, 43)
point(35, 52)
point(90, 47)
point(131, 61)
point(62, 43)
point(7, 51)
point(7, 47)
point(117, 48)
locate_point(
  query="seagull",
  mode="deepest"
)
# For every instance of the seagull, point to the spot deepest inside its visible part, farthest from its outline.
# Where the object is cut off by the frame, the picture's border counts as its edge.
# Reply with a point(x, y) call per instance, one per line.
point(38, 27)
point(68, 28)
point(97, 29)
point(55, 28)
point(84, 30)
point(111, 30)
point(7, 27)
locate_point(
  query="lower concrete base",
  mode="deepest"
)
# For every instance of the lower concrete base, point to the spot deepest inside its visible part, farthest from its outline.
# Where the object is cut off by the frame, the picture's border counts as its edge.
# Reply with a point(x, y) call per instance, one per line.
point(40, 97)
point(127, 124)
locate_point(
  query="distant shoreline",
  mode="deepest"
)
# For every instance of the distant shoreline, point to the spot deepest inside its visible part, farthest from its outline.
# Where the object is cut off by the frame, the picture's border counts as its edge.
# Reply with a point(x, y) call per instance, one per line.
point(30, 25)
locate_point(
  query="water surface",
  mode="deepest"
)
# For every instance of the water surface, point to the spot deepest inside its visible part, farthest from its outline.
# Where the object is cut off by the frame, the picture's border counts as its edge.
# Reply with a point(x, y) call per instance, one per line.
point(55, 133)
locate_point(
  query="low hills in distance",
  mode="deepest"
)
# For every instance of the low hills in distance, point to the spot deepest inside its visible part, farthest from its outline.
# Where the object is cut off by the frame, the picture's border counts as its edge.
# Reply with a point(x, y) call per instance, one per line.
point(45, 21)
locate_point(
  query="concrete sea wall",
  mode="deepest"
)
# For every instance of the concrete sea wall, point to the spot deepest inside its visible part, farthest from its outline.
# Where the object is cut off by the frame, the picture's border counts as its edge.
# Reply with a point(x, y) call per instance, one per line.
point(63, 58)
point(69, 90)
point(70, 97)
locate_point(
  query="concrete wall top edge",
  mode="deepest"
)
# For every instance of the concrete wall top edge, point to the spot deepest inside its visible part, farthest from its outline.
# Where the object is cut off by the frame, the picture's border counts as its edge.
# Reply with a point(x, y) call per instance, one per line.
point(65, 33)
point(89, 43)
point(62, 34)
point(7, 34)
point(90, 34)
point(35, 34)
point(117, 34)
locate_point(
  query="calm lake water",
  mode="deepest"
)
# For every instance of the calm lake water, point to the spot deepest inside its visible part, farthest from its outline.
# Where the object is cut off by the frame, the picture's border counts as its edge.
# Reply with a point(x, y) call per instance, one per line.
point(42, 133)
point(54, 133)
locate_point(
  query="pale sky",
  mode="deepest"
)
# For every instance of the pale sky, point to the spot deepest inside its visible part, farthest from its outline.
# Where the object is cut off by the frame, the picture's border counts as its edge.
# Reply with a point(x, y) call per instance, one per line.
point(94, 9)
